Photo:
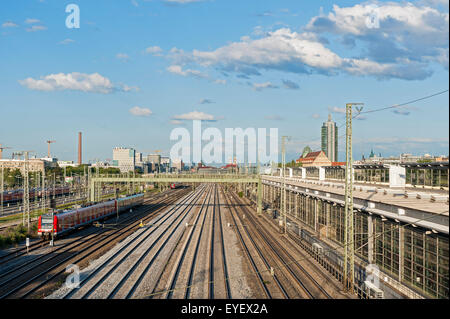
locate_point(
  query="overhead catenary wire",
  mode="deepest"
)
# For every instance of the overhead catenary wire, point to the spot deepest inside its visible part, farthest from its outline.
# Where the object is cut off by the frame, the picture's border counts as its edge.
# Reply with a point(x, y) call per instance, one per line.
point(394, 106)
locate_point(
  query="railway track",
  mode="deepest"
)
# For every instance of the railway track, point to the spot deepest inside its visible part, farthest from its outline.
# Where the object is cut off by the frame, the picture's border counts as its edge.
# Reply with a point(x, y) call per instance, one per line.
point(201, 270)
point(260, 264)
point(23, 281)
point(297, 272)
point(301, 250)
point(200, 259)
point(221, 243)
point(179, 253)
point(121, 273)
point(171, 289)
point(36, 244)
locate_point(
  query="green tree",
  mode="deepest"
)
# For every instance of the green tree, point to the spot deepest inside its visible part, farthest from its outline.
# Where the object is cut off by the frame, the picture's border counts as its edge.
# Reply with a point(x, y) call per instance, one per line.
point(306, 150)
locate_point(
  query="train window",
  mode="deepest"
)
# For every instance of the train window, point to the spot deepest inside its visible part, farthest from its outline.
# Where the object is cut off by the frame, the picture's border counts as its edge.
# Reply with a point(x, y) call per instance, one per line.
point(46, 222)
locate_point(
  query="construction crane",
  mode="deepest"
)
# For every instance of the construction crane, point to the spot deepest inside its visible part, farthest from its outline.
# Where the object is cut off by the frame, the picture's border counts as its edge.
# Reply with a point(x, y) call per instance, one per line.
point(1, 150)
point(49, 142)
point(18, 154)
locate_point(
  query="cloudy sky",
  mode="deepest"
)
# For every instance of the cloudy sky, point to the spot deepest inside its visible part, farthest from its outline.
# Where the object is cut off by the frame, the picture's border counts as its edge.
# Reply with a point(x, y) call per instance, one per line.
point(135, 70)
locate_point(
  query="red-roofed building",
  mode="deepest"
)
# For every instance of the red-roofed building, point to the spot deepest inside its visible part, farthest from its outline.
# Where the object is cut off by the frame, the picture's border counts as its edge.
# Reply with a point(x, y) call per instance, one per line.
point(229, 166)
point(314, 159)
point(338, 164)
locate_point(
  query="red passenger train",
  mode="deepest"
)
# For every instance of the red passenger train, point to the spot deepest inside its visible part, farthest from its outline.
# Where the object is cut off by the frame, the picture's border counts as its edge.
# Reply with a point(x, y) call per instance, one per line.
point(175, 185)
point(69, 220)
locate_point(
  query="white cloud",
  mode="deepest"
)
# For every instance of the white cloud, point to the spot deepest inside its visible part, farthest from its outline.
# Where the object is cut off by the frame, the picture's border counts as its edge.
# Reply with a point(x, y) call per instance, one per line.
point(265, 85)
point(67, 41)
point(176, 69)
point(195, 115)
point(32, 21)
point(279, 50)
point(315, 116)
point(176, 122)
point(126, 88)
point(138, 111)
point(122, 56)
point(220, 81)
point(155, 50)
point(408, 39)
point(336, 109)
point(35, 28)
point(404, 31)
point(75, 81)
point(9, 24)
point(392, 17)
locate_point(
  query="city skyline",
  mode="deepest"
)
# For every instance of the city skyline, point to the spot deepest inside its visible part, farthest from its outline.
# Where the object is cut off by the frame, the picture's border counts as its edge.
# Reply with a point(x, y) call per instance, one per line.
point(135, 70)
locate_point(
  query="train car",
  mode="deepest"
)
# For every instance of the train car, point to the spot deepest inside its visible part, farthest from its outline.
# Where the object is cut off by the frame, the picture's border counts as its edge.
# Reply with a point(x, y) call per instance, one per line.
point(175, 185)
point(130, 201)
point(69, 220)
point(17, 195)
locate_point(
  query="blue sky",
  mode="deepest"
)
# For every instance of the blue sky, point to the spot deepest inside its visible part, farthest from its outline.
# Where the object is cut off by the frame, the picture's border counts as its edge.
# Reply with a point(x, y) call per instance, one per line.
point(135, 70)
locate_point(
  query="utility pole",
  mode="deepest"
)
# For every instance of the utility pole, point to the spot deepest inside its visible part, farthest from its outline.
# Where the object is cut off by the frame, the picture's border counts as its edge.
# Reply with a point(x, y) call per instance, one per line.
point(26, 192)
point(85, 184)
point(283, 191)
point(349, 242)
point(36, 187)
point(2, 188)
point(259, 199)
point(54, 185)
point(43, 191)
point(88, 185)
point(26, 189)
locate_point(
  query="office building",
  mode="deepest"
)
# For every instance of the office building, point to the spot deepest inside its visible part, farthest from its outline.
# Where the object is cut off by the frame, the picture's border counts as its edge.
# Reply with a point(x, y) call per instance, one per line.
point(330, 139)
point(124, 159)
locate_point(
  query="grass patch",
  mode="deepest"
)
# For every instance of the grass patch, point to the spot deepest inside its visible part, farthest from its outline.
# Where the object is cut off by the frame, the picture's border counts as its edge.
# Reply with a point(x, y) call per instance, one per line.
point(18, 217)
point(17, 234)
